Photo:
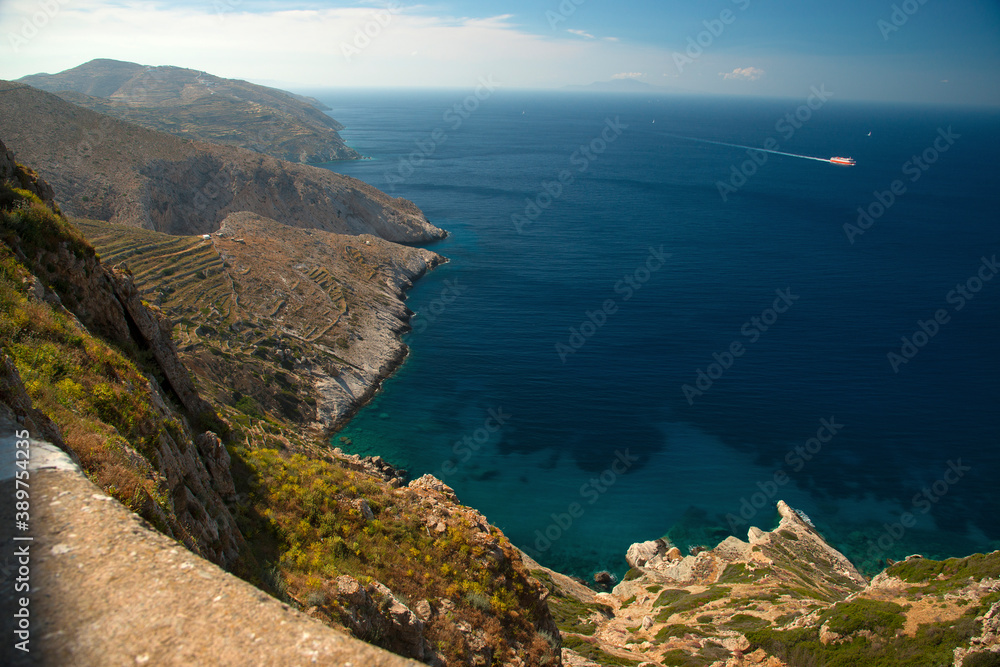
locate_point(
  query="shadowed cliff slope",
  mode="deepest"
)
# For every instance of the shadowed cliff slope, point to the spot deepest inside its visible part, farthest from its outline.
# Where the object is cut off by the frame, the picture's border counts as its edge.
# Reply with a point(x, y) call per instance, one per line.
point(106, 169)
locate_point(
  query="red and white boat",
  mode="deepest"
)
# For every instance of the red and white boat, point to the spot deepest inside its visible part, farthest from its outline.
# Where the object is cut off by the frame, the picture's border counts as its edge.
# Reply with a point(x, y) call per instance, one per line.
point(847, 161)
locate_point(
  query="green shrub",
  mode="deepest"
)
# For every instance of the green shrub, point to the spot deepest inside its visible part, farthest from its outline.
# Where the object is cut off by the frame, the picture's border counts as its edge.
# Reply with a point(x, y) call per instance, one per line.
point(669, 597)
point(677, 630)
point(691, 601)
point(959, 570)
point(982, 659)
point(745, 623)
point(590, 651)
point(863, 614)
point(248, 406)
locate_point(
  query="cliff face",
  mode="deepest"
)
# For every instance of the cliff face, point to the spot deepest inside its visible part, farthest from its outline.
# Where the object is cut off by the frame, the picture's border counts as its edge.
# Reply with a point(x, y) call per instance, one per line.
point(197, 105)
point(134, 430)
point(106, 169)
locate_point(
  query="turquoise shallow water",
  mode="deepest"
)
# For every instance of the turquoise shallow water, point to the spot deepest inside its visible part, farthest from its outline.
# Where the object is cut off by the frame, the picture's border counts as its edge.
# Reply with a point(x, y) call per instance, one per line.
point(576, 454)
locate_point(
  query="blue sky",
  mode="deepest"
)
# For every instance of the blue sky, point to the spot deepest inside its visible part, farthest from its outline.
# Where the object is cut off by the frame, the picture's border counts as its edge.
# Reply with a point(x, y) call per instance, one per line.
point(886, 50)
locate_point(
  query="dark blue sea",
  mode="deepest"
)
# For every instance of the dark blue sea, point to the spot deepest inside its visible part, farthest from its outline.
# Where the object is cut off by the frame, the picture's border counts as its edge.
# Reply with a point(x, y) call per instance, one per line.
point(598, 267)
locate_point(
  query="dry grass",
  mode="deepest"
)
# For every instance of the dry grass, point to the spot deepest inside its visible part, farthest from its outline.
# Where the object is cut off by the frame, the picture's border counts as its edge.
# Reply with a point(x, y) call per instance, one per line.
point(99, 398)
point(313, 506)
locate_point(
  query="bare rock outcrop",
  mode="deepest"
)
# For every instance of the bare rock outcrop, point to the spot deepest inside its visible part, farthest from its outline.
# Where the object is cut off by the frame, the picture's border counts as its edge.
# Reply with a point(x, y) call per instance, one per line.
point(374, 466)
point(707, 566)
point(374, 613)
point(641, 553)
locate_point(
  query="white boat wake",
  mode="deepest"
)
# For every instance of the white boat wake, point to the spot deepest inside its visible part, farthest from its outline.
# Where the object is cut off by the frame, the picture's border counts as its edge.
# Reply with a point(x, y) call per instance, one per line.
point(751, 148)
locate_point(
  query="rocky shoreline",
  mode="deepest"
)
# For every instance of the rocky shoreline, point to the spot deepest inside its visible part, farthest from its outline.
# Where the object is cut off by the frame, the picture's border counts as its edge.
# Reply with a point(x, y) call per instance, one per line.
point(752, 602)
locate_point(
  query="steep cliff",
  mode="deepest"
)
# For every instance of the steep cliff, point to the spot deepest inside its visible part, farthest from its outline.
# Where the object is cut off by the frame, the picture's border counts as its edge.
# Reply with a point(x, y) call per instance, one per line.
point(104, 368)
point(107, 169)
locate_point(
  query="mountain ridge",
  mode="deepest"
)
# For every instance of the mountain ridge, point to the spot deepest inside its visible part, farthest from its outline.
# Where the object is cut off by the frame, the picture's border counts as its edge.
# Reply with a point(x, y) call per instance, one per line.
point(107, 169)
point(196, 105)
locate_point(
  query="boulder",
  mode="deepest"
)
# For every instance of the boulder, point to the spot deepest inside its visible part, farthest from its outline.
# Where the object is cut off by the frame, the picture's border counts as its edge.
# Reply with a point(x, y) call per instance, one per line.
point(432, 483)
point(641, 553)
point(604, 580)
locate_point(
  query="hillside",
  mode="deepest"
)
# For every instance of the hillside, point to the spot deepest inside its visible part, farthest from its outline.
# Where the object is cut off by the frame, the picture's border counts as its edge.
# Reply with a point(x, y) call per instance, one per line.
point(301, 325)
point(90, 368)
point(106, 169)
point(197, 105)
point(103, 370)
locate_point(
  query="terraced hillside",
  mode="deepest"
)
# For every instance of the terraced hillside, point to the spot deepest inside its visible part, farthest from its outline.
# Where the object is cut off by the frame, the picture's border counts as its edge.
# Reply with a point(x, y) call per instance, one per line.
point(295, 325)
point(191, 271)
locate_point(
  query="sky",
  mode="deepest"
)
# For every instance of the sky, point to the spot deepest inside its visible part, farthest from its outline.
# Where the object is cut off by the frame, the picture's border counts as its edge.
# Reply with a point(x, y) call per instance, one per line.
point(924, 51)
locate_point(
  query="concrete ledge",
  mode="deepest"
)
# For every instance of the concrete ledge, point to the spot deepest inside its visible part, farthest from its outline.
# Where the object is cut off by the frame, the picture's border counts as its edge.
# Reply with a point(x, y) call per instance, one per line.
point(108, 590)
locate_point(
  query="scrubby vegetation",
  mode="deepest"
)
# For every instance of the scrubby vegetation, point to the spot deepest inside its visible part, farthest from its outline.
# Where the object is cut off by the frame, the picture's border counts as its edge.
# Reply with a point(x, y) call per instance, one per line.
point(590, 650)
point(689, 602)
point(739, 573)
point(96, 393)
point(308, 514)
point(863, 614)
point(871, 638)
point(957, 571)
point(572, 615)
point(708, 655)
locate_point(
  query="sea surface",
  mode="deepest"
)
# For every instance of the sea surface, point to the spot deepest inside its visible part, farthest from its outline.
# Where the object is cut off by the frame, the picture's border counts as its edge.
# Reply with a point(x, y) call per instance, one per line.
point(598, 267)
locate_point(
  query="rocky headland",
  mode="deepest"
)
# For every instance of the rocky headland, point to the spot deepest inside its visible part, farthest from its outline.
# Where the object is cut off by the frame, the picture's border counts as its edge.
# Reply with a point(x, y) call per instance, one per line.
point(782, 597)
point(302, 324)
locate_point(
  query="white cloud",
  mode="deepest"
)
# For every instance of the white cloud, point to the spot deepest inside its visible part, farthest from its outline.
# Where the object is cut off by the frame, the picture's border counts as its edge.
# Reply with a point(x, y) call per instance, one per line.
point(582, 33)
point(629, 75)
point(322, 47)
point(743, 74)
point(319, 47)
